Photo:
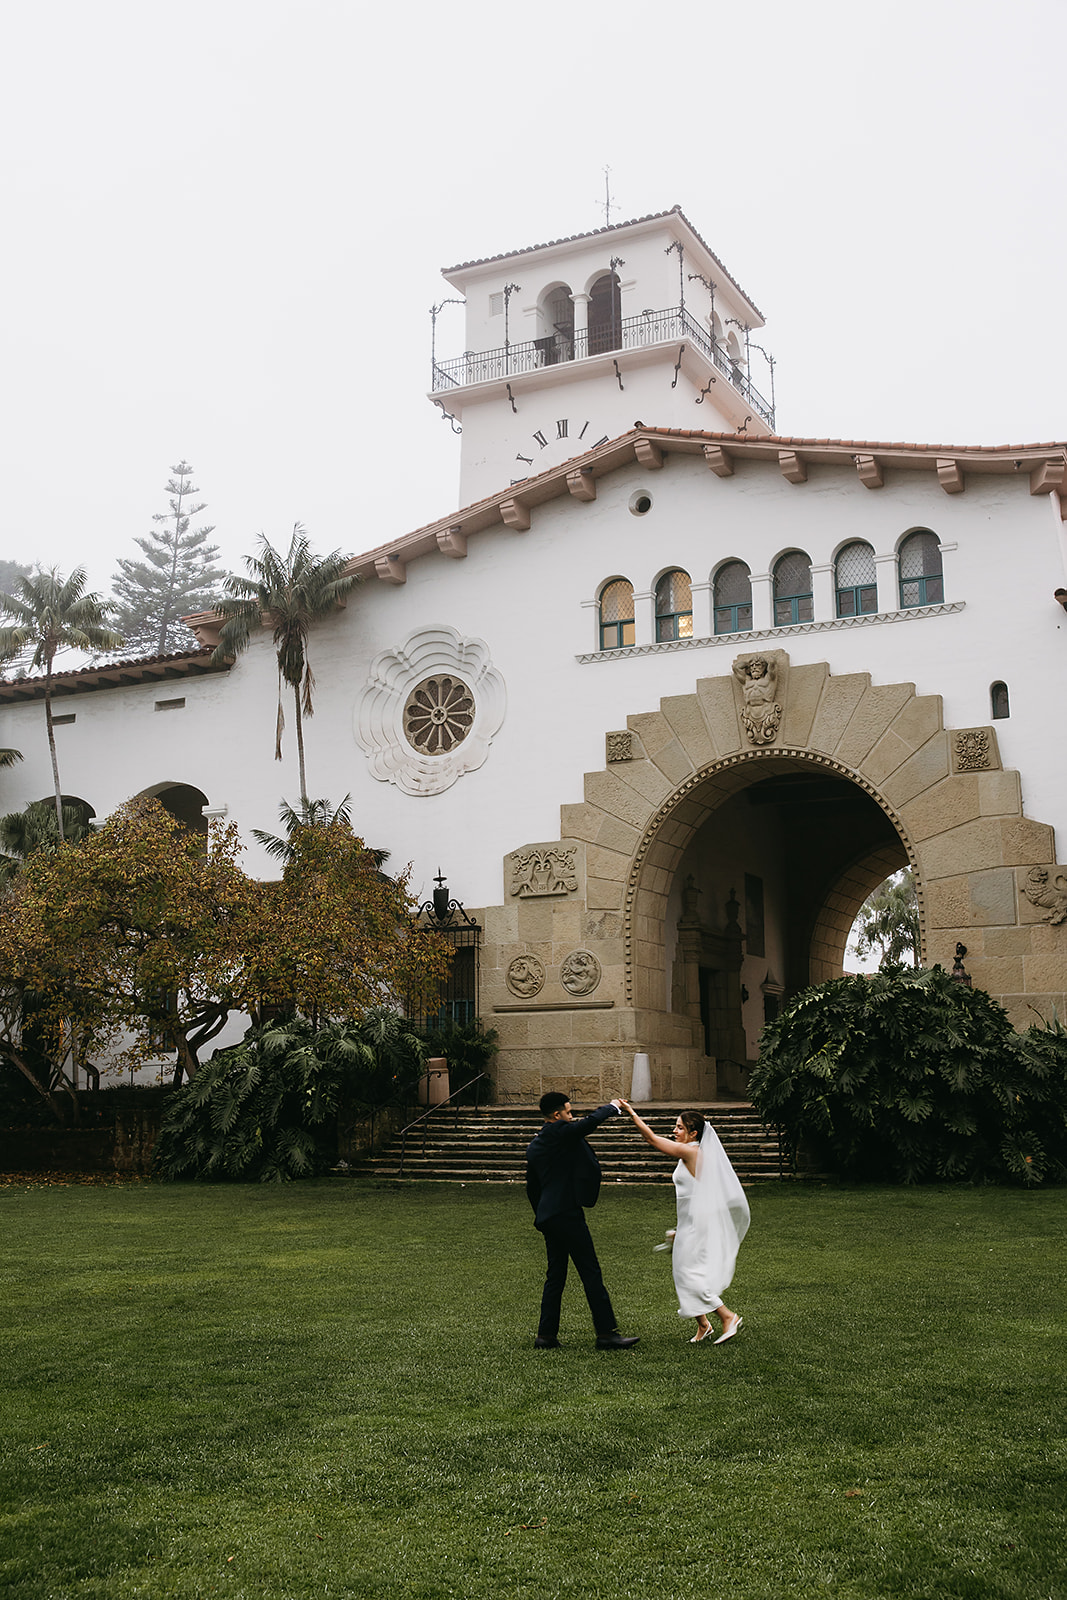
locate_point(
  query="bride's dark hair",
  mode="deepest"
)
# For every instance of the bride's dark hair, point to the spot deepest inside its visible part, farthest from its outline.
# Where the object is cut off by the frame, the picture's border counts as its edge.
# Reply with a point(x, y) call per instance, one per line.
point(694, 1121)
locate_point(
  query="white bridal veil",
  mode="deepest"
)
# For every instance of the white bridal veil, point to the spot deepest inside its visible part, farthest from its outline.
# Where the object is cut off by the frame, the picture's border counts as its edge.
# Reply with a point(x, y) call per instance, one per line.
point(720, 1209)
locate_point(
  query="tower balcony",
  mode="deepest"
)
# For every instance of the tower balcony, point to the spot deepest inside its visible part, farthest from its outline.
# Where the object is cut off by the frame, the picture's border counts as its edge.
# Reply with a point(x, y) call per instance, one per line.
point(629, 333)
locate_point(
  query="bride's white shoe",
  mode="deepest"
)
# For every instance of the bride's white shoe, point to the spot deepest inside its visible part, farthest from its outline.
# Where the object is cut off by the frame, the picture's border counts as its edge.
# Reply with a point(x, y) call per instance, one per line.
point(730, 1331)
point(701, 1334)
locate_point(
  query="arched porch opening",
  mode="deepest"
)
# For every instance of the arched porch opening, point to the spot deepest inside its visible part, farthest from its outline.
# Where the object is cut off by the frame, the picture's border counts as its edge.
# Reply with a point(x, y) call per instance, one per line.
point(742, 893)
point(184, 802)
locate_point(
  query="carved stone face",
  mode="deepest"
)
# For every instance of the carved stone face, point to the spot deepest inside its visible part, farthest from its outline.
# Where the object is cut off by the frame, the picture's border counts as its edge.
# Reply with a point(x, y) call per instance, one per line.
point(757, 668)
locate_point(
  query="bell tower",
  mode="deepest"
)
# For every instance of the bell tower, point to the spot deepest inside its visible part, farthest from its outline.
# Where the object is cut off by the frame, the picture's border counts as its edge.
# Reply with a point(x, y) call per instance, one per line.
point(570, 343)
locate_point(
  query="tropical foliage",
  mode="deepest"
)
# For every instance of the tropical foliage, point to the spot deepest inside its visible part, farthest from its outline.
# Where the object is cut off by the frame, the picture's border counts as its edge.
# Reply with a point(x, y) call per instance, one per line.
point(268, 1109)
point(135, 936)
point(176, 578)
point(469, 1048)
point(48, 614)
point(287, 593)
point(309, 814)
point(138, 937)
point(888, 922)
point(35, 828)
point(910, 1077)
point(341, 937)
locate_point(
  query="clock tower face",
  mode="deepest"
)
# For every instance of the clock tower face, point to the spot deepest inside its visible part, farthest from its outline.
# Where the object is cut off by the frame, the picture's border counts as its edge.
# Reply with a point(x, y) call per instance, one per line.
point(551, 441)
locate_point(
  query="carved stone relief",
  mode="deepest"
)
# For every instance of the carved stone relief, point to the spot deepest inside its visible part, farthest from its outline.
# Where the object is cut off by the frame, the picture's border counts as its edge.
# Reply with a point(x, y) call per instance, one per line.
point(543, 872)
point(438, 715)
point(429, 710)
point(761, 713)
point(525, 977)
point(620, 746)
point(974, 750)
point(580, 972)
point(1046, 890)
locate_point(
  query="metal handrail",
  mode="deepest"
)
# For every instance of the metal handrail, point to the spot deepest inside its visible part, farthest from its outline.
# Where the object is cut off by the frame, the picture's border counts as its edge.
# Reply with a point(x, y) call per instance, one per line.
point(648, 327)
point(426, 1115)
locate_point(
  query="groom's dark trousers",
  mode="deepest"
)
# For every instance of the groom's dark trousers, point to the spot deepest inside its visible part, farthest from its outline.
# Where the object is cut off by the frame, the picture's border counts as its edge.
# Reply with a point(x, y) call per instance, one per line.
point(563, 1176)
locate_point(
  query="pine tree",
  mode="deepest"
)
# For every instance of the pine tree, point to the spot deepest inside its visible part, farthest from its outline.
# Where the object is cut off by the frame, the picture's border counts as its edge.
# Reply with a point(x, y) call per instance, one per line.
point(177, 577)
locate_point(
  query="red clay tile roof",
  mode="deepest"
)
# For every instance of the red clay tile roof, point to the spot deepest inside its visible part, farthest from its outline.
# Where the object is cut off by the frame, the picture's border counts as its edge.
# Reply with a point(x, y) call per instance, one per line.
point(532, 492)
point(114, 675)
point(612, 227)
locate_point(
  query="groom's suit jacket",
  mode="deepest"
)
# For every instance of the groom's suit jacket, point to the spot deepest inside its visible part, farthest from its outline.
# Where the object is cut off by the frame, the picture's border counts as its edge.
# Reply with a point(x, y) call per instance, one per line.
point(562, 1173)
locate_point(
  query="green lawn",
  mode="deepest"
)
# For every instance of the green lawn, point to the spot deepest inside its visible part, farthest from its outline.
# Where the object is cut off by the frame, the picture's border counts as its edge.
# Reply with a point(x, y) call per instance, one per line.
point(330, 1390)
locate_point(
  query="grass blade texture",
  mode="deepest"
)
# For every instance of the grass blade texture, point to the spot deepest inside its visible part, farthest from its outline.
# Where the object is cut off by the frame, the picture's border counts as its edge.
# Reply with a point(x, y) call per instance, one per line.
point(329, 1389)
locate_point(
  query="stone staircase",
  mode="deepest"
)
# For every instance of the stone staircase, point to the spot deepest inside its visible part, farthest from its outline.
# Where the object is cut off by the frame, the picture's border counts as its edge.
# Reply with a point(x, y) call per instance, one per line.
point(489, 1146)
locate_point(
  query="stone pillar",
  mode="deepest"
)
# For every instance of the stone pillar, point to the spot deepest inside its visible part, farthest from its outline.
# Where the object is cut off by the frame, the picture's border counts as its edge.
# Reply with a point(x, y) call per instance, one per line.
point(822, 592)
point(644, 617)
point(885, 570)
point(591, 626)
point(581, 324)
point(703, 620)
point(762, 608)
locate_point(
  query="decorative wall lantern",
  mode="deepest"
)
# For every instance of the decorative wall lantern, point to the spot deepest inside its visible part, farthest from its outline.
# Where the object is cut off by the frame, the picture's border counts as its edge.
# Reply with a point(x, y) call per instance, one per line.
point(441, 911)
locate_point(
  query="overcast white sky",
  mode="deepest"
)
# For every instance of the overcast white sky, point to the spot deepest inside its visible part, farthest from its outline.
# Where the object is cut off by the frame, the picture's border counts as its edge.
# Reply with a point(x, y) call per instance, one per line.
point(224, 223)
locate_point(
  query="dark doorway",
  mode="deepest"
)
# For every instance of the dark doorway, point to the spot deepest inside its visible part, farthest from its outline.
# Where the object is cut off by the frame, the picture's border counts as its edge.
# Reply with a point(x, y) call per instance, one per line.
point(605, 315)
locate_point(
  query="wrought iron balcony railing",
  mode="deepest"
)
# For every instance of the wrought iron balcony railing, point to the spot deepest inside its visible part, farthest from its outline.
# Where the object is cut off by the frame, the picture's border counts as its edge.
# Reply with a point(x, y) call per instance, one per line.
point(629, 333)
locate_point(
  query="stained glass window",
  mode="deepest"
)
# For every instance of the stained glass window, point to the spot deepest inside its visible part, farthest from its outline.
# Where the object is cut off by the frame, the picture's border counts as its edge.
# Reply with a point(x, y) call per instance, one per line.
point(674, 606)
point(617, 615)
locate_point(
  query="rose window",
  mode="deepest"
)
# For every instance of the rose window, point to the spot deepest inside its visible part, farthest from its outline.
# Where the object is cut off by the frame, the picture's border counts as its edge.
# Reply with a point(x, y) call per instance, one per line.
point(438, 715)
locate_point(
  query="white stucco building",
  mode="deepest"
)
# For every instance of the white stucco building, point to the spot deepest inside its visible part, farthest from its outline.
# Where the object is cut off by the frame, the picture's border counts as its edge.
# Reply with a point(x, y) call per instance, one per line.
point(547, 693)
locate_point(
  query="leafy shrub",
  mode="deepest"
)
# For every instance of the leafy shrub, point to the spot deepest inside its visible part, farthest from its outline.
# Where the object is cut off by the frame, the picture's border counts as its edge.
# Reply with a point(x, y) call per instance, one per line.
point(909, 1077)
point(268, 1108)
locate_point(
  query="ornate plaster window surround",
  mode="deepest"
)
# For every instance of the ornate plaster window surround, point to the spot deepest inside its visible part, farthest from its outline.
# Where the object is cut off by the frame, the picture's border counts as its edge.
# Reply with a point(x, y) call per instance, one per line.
point(430, 710)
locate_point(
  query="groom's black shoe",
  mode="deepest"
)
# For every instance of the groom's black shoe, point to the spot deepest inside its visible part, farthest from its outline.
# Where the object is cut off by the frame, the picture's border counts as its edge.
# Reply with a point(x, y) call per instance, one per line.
point(541, 1343)
point(615, 1341)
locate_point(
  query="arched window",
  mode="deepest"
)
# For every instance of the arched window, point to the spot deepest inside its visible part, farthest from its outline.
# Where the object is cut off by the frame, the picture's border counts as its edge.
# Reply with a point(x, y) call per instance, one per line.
point(605, 315)
point(857, 587)
point(733, 598)
point(792, 589)
point(557, 321)
point(921, 580)
point(998, 701)
point(674, 606)
point(617, 615)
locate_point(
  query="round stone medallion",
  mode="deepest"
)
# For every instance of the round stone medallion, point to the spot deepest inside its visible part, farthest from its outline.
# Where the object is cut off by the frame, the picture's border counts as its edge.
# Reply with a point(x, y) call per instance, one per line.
point(580, 973)
point(525, 977)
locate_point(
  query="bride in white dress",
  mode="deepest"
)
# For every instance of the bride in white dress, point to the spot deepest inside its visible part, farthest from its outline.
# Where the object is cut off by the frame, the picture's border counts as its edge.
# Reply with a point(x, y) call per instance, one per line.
point(713, 1218)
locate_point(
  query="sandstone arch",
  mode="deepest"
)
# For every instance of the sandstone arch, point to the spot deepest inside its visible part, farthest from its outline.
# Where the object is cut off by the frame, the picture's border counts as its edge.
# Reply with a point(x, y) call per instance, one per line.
point(947, 806)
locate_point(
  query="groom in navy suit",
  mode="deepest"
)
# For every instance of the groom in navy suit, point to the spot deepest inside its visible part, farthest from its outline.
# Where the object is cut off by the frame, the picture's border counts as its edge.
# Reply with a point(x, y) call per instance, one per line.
point(562, 1177)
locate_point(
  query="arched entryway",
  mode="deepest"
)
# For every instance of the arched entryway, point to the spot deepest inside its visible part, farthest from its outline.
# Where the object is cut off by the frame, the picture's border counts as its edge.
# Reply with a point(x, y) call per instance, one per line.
point(184, 802)
point(814, 785)
point(752, 874)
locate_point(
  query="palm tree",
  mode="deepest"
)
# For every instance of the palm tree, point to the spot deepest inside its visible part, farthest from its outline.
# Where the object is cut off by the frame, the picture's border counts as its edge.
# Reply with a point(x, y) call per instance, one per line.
point(311, 814)
point(286, 593)
point(52, 614)
point(23, 832)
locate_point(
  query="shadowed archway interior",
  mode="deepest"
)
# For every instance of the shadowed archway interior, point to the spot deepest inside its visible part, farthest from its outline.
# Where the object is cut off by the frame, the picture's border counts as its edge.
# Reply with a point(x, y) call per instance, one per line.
point(750, 881)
